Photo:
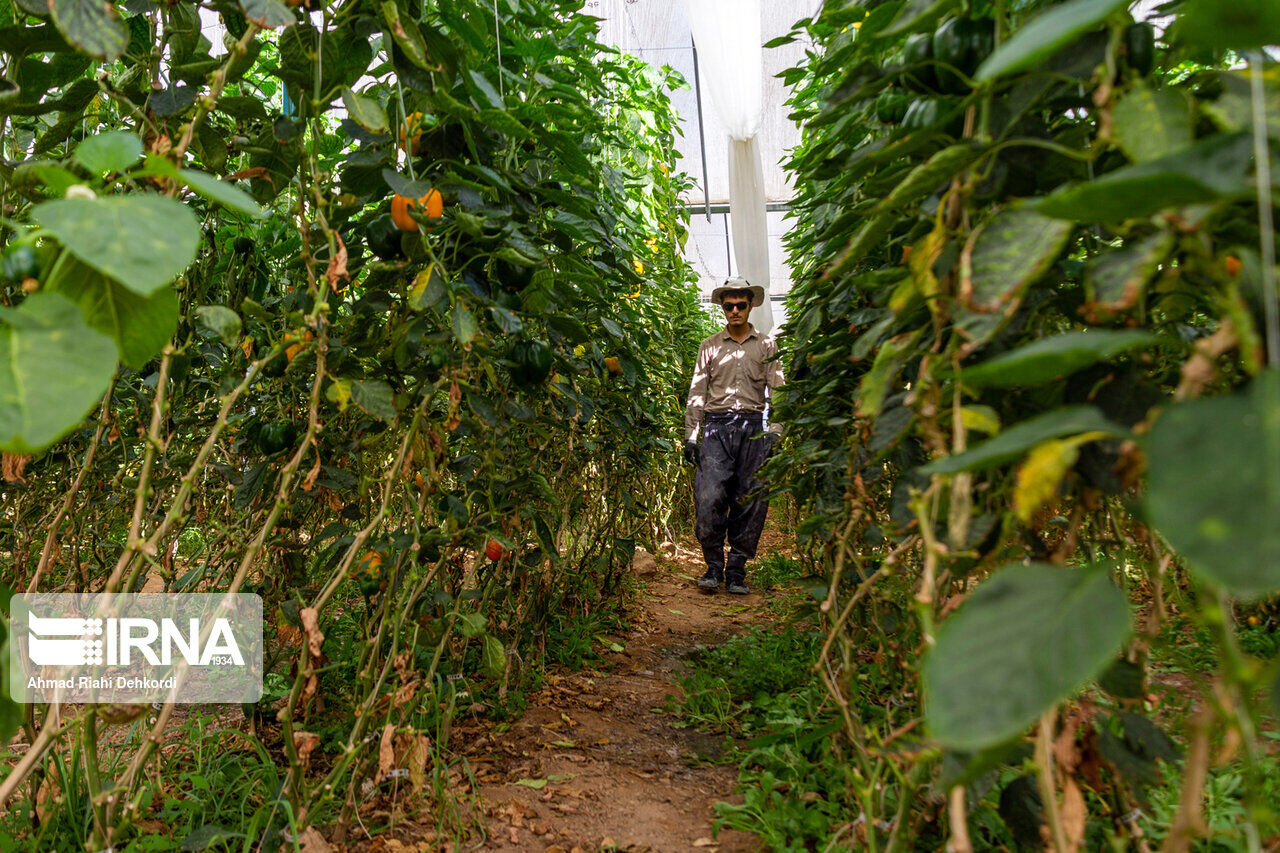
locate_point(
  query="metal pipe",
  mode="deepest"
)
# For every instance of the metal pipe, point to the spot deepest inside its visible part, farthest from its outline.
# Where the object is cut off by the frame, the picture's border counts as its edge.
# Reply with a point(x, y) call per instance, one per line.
point(722, 207)
point(702, 139)
point(728, 255)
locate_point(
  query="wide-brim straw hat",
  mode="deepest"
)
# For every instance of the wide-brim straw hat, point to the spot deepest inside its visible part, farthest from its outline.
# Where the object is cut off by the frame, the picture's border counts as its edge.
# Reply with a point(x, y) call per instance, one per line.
point(757, 292)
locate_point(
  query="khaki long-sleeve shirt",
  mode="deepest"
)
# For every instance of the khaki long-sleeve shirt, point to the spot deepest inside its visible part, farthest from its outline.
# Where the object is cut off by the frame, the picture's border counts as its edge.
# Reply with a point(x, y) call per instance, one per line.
point(732, 377)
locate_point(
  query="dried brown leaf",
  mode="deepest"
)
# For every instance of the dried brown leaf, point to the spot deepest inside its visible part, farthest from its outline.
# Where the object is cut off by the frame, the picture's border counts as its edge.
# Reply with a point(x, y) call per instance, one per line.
point(386, 751)
point(1073, 815)
point(419, 752)
point(12, 465)
point(315, 637)
point(305, 743)
point(309, 482)
point(312, 841)
point(337, 265)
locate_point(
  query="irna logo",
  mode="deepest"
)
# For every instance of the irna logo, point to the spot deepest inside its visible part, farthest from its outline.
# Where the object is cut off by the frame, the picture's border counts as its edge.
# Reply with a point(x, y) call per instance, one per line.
point(135, 647)
point(72, 641)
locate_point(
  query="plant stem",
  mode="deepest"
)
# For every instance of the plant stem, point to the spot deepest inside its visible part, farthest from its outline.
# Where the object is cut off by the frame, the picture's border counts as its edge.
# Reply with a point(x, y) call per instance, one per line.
point(1045, 774)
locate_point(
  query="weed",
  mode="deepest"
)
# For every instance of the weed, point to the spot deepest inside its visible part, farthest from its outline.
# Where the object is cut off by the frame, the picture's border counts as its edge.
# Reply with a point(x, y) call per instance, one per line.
point(1224, 805)
point(708, 702)
point(764, 662)
point(220, 778)
point(575, 641)
point(776, 570)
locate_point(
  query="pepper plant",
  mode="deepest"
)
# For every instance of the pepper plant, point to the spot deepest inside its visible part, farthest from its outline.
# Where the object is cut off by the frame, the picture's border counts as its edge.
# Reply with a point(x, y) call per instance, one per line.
point(1032, 402)
point(329, 314)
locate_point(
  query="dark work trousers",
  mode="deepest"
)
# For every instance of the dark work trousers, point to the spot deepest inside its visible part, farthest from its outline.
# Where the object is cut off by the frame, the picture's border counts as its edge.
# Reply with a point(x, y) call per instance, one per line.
point(730, 456)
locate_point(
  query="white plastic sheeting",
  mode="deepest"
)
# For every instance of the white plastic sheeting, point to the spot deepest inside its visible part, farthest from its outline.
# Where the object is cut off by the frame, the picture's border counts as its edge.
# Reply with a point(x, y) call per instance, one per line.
point(747, 216)
point(659, 32)
point(727, 35)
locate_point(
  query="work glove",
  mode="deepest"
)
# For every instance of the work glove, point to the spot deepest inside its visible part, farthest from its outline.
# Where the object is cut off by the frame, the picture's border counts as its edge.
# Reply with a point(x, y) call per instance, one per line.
point(691, 453)
point(770, 440)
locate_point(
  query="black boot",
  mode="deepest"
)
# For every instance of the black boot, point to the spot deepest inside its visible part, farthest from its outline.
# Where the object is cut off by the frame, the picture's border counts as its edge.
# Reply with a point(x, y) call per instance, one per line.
point(710, 581)
point(737, 581)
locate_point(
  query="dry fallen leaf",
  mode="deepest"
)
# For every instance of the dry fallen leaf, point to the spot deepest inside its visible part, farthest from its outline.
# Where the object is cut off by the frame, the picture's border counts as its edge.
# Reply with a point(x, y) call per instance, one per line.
point(312, 841)
point(419, 751)
point(386, 752)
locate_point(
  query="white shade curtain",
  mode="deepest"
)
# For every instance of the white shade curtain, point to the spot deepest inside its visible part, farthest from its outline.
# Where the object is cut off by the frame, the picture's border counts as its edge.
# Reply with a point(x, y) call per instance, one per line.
point(730, 65)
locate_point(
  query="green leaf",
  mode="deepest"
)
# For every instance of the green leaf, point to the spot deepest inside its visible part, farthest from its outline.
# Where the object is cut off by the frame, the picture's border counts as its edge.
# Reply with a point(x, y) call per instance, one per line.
point(464, 325)
point(472, 624)
point(1052, 358)
point(1005, 255)
point(1235, 25)
point(401, 185)
point(56, 178)
point(220, 320)
point(1233, 110)
point(406, 34)
point(53, 369)
point(217, 190)
point(1114, 280)
point(889, 360)
point(491, 96)
point(375, 397)
point(613, 328)
point(1214, 485)
point(928, 176)
point(139, 325)
point(268, 14)
point(1027, 638)
point(917, 15)
point(1045, 34)
point(1213, 169)
point(141, 241)
point(539, 784)
point(93, 26)
point(493, 656)
point(1148, 124)
point(1017, 439)
point(507, 321)
point(113, 151)
point(503, 121)
point(365, 112)
point(429, 289)
point(535, 784)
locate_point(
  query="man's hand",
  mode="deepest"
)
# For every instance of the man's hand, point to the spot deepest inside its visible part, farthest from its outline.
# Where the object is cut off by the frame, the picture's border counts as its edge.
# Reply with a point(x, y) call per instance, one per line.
point(691, 453)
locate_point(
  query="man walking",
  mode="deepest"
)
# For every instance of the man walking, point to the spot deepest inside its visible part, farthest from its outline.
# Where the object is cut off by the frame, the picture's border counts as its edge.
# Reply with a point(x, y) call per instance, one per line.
point(727, 400)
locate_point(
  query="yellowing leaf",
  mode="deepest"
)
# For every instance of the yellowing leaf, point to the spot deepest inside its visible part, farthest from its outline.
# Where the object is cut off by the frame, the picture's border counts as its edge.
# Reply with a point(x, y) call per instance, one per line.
point(1043, 470)
point(339, 392)
point(921, 260)
point(981, 419)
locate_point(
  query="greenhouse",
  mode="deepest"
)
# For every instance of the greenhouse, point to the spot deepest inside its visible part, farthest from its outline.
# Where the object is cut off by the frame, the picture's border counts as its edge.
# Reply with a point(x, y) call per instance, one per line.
point(639, 425)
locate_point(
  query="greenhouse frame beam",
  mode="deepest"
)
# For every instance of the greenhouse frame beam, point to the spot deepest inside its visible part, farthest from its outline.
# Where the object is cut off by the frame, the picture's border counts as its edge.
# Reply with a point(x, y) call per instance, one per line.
point(723, 206)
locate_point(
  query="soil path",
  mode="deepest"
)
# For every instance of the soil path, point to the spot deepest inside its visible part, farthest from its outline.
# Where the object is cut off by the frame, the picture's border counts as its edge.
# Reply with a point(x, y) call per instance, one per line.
point(618, 774)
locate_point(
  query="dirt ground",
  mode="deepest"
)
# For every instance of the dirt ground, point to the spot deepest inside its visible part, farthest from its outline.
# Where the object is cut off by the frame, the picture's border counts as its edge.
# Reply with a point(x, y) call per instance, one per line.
point(594, 763)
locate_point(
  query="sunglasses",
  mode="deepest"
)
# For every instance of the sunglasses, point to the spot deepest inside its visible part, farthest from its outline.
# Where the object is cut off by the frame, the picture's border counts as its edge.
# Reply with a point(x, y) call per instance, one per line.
point(734, 306)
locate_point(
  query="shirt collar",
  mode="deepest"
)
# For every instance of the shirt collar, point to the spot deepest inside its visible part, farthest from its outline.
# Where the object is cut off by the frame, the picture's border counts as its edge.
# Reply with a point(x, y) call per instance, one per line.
point(726, 337)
